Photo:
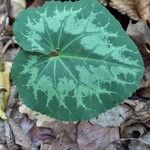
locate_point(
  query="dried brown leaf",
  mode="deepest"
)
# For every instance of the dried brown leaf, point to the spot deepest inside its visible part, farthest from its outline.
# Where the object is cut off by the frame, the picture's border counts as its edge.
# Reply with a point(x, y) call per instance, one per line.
point(63, 141)
point(38, 135)
point(136, 9)
point(113, 117)
point(133, 131)
point(140, 33)
point(92, 137)
point(21, 137)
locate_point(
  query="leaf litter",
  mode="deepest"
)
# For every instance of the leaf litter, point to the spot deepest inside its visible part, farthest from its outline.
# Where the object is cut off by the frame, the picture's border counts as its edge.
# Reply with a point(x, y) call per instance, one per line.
point(124, 127)
point(136, 9)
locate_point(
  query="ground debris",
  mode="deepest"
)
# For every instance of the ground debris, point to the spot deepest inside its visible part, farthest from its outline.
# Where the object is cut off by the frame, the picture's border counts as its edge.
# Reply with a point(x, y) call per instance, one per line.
point(134, 8)
point(125, 127)
point(92, 137)
point(2, 132)
point(113, 117)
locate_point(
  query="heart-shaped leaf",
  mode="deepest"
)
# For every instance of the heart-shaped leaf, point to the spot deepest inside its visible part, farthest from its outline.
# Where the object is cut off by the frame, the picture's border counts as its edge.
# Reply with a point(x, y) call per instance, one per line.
point(77, 61)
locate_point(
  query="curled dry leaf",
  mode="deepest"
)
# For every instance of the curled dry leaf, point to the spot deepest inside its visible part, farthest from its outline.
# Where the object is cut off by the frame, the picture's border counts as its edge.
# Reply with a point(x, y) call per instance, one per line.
point(136, 9)
point(4, 86)
point(134, 131)
point(138, 123)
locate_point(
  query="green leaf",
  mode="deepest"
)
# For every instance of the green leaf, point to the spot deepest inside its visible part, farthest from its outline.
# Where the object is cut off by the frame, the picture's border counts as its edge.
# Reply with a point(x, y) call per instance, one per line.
point(76, 62)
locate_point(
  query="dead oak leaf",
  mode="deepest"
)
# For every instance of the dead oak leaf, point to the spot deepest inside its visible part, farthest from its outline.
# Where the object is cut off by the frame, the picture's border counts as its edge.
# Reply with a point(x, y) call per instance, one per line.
point(92, 137)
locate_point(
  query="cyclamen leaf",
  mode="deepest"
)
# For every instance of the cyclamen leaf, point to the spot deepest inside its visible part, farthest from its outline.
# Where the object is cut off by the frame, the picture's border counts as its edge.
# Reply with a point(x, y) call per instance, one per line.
point(76, 62)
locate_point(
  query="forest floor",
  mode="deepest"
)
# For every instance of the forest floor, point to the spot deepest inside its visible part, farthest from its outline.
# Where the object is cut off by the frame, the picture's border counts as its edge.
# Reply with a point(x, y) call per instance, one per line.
point(125, 127)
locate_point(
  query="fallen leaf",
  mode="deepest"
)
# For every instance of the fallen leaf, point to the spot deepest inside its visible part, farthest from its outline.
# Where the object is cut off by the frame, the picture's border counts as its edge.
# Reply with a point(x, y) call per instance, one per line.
point(140, 33)
point(17, 6)
point(113, 117)
point(92, 137)
point(66, 139)
point(133, 131)
point(138, 124)
point(63, 141)
point(21, 137)
point(38, 135)
point(42, 120)
point(26, 124)
point(136, 9)
point(10, 141)
point(4, 86)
